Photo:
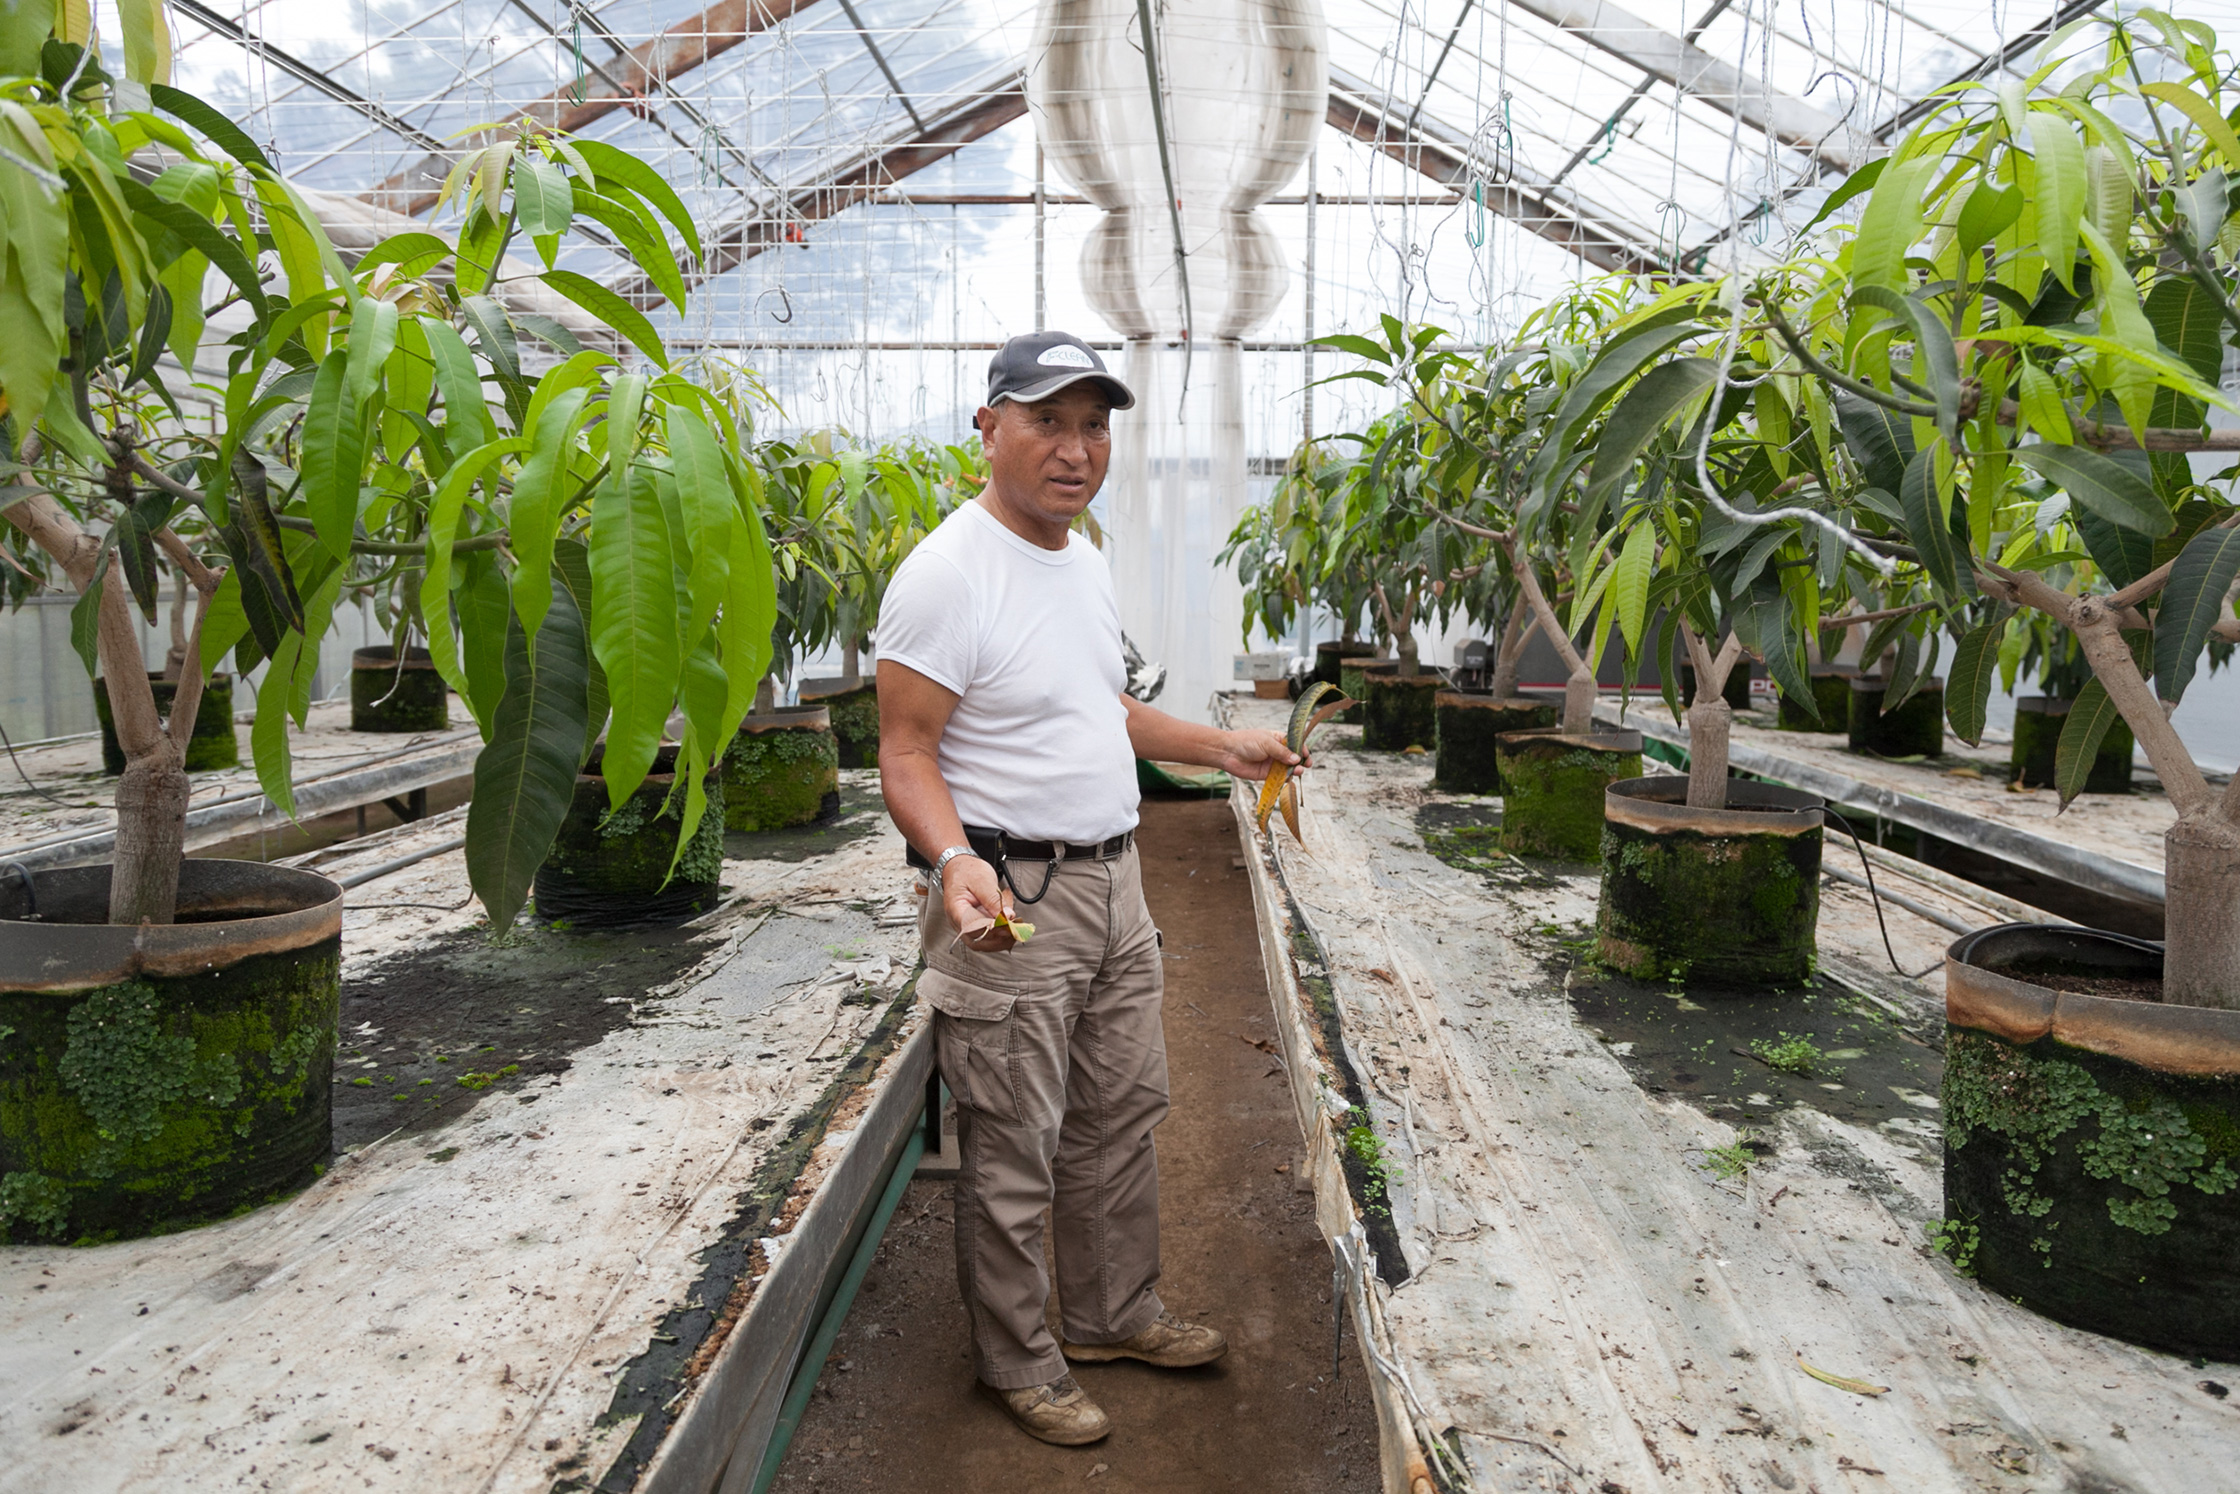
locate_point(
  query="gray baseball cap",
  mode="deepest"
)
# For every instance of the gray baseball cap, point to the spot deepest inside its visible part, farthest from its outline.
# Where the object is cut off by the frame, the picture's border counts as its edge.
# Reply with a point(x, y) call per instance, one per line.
point(1039, 364)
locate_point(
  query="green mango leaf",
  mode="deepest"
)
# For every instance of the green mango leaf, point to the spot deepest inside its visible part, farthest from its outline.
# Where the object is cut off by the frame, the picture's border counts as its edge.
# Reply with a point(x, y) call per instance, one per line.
point(85, 616)
point(1661, 393)
point(710, 511)
point(634, 626)
point(543, 205)
point(1967, 687)
point(1881, 440)
point(485, 612)
point(1854, 185)
point(1989, 212)
point(268, 733)
point(526, 777)
point(2089, 718)
point(621, 174)
point(2108, 488)
point(334, 451)
point(221, 131)
point(541, 489)
point(1936, 362)
point(1890, 224)
point(2060, 195)
point(1929, 522)
point(1630, 587)
point(205, 237)
point(1618, 361)
point(610, 309)
point(571, 572)
point(2192, 603)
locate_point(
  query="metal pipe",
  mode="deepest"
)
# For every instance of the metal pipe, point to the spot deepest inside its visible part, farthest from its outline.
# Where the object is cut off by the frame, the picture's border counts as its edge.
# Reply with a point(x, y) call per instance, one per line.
point(828, 1328)
point(372, 873)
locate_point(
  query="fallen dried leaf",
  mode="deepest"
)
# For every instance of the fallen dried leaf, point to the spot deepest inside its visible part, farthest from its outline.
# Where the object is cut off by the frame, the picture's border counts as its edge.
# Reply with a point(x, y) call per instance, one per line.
point(1290, 803)
point(1856, 1387)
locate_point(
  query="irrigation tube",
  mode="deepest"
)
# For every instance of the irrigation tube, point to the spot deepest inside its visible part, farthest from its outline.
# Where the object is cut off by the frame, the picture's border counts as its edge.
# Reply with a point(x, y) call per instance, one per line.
point(812, 1362)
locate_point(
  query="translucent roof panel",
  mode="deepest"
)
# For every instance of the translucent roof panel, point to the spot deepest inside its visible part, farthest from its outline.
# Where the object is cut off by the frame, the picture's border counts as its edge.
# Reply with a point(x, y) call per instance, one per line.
point(875, 310)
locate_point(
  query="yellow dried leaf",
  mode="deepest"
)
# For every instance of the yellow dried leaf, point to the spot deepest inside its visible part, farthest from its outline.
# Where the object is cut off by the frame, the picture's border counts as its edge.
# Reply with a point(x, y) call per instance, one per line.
point(1290, 802)
point(1856, 1387)
point(1270, 787)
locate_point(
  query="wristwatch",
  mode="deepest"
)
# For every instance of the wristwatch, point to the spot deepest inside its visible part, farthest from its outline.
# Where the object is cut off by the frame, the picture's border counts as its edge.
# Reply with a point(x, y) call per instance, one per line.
point(950, 855)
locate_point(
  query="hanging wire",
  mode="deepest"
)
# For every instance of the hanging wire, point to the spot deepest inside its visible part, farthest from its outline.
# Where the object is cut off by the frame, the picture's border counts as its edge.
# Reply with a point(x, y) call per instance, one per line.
point(575, 45)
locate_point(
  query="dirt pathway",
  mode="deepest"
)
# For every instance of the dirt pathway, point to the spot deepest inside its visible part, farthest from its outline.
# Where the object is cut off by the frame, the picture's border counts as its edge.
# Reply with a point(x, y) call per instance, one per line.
point(896, 1407)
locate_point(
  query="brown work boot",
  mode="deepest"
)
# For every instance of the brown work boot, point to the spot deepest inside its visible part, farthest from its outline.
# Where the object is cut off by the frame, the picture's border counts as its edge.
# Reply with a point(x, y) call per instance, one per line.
point(1169, 1343)
point(1060, 1412)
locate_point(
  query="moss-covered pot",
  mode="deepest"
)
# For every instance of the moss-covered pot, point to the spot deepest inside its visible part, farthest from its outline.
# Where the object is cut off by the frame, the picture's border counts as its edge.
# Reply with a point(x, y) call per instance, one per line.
point(1467, 762)
point(1400, 711)
point(1831, 696)
point(1726, 896)
point(384, 698)
point(854, 705)
point(1914, 729)
point(613, 868)
point(2038, 720)
point(213, 745)
point(1353, 683)
point(1552, 785)
point(1736, 694)
point(166, 1075)
point(783, 769)
point(2092, 1142)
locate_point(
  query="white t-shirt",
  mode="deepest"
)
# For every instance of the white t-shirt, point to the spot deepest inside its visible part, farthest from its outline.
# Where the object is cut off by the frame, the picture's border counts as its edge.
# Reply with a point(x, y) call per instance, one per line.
point(1029, 639)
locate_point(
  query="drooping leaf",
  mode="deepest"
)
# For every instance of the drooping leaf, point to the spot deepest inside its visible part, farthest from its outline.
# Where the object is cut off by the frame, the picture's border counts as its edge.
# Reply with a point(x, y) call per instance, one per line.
point(1935, 360)
point(333, 455)
point(1929, 522)
point(223, 132)
point(485, 613)
point(634, 627)
point(1967, 686)
point(1660, 395)
point(619, 169)
point(2060, 194)
point(1630, 586)
point(540, 490)
point(1989, 211)
point(2090, 716)
point(525, 778)
point(85, 616)
point(2192, 603)
point(571, 572)
point(1881, 440)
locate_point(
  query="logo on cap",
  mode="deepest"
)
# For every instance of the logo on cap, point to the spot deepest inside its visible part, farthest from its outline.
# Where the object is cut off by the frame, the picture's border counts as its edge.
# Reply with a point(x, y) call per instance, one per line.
point(1065, 355)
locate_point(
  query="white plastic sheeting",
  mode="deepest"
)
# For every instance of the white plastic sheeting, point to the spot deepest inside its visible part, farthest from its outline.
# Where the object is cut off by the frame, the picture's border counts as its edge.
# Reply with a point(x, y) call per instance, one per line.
point(1241, 88)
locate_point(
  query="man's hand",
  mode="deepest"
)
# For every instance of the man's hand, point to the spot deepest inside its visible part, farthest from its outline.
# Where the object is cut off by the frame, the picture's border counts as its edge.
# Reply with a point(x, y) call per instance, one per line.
point(972, 897)
point(1249, 754)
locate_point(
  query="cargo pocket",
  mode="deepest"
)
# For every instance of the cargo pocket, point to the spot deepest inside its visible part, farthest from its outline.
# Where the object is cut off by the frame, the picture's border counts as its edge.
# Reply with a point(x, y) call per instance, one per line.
point(974, 1038)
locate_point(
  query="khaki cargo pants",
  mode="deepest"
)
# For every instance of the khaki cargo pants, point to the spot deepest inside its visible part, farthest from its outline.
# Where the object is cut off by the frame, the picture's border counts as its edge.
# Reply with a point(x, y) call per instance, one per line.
point(1056, 1058)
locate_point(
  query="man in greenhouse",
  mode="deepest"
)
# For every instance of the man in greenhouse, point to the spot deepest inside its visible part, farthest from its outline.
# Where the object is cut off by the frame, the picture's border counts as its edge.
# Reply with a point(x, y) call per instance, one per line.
point(1007, 756)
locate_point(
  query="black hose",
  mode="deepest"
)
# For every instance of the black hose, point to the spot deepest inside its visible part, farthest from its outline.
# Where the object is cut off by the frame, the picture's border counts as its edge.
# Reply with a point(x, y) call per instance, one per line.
point(1876, 895)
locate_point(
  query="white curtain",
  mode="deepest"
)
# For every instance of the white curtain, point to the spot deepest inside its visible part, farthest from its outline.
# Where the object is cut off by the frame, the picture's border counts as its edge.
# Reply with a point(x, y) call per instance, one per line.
point(1242, 85)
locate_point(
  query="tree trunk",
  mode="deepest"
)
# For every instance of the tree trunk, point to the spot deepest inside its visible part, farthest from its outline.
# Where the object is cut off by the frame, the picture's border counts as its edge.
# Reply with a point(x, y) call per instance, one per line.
point(850, 662)
point(175, 662)
point(765, 696)
point(1710, 725)
point(1409, 668)
point(1515, 635)
point(152, 794)
point(1579, 690)
point(2201, 906)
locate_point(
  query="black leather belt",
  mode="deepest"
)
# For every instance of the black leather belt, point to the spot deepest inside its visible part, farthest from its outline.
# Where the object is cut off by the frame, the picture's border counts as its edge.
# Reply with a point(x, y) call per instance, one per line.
point(994, 846)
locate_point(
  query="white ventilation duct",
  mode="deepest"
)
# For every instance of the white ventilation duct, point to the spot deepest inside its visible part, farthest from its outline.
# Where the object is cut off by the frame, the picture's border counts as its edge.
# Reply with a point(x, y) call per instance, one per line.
point(1240, 92)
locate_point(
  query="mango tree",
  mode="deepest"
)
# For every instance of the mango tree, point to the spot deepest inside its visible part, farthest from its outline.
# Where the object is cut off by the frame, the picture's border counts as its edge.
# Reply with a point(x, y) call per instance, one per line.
point(590, 544)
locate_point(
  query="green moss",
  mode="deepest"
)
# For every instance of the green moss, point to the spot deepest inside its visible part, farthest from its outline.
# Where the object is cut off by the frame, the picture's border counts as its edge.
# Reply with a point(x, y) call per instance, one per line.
point(855, 725)
point(1831, 694)
point(1353, 683)
point(211, 748)
point(1914, 729)
point(1400, 713)
point(609, 866)
point(149, 1104)
point(773, 779)
point(2144, 1143)
point(1552, 797)
point(1740, 909)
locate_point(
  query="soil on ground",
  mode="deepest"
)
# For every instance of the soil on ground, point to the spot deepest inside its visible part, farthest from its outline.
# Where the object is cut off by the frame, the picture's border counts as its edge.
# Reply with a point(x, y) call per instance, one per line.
point(896, 1407)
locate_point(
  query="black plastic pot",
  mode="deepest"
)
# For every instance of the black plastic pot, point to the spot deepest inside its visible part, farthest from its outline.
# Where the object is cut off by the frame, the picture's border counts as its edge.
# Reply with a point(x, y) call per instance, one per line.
point(385, 698)
point(2038, 720)
point(2092, 1137)
point(1725, 896)
point(164, 1075)
point(1736, 694)
point(1468, 762)
point(1353, 683)
point(783, 769)
point(854, 705)
point(213, 745)
point(607, 869)
point(1400, 712)
point(1831, 696)
point(1326, 657)
point(1552, 786)
point(1914, 729)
